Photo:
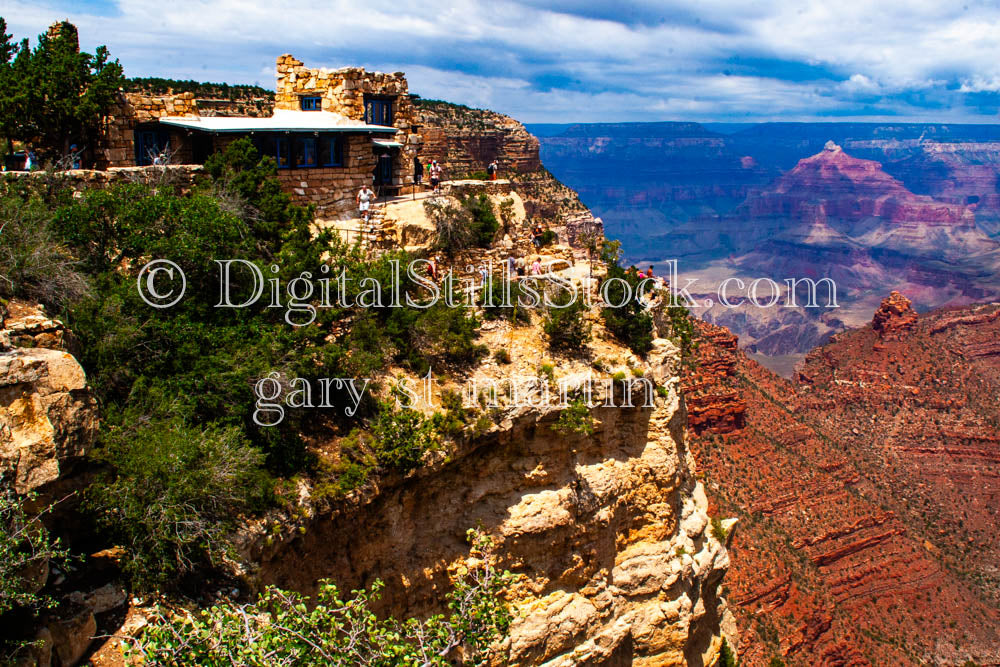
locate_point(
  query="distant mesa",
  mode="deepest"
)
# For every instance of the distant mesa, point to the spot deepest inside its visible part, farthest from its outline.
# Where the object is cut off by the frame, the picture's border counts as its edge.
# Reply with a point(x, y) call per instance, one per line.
point(894, 317)
point(832, 146)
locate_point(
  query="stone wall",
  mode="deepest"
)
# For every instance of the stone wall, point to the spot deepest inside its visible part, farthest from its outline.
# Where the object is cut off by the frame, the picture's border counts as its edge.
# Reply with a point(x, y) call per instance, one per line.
point(332, 189)
point(116, 148)
point(182, 176)
point(343, 91)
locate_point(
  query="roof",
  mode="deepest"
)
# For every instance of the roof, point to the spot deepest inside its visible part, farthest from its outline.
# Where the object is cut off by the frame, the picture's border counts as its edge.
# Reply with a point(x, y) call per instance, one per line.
point(283, 120)
point(387, 143)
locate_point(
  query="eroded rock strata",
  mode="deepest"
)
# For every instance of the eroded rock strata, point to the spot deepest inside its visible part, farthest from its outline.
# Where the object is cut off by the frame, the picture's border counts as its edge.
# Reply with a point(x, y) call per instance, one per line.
point(866, 492)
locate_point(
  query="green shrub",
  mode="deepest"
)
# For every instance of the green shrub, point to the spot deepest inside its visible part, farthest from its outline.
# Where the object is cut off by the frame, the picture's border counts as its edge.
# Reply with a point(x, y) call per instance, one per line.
point(470, 223)
point(34, 265)
point(626, 320)
point(285, 628)
point(25, 545)
point(174, 492)
point(501, 300)
point(576, 419)
point(718, 530)
point(548, 371)
point(502, 356)
point(726, 656)
point(564, 325)
point(401, 437)
point(547, 237)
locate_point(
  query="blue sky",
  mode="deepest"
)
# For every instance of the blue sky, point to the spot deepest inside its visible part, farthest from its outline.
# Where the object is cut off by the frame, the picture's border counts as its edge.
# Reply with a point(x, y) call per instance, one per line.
point(568, 61)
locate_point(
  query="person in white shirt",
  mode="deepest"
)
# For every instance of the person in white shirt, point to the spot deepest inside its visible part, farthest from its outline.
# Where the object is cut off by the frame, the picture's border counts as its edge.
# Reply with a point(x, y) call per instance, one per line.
point(365, 197)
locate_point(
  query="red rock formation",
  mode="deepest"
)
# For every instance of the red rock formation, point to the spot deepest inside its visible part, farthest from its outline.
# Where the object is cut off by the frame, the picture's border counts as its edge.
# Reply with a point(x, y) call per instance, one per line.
point(866, 496)
point(894, 317)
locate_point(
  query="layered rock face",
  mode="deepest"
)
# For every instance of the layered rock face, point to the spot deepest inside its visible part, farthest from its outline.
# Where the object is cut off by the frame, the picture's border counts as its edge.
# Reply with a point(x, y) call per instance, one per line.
point(866, 493)
point(48, 417)
point(609, 532)
point(466, 140)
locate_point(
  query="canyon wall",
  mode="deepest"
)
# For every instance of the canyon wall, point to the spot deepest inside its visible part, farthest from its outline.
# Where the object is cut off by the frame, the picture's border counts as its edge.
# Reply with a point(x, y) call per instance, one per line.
point(866, 491)
point(618, 560)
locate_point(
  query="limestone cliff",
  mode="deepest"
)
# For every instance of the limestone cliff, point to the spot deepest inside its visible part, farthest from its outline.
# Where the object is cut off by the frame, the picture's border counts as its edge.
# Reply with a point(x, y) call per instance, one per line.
point(609, 532)
point(48, 417)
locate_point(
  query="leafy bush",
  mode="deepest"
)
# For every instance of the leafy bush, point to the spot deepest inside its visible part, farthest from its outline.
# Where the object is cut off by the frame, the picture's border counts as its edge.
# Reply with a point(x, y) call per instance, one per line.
point(24, 542)
point(502, 356)
point(501, 300)
point(284, 628)
point(401, 437)
point(564, 324)
point(25, 545)
point(718, 530)
point(174, 492)
point(576, 419)
point(547, 237)
point(726, 656)
point(626, 320)
point(33, 263)
point(470, 223)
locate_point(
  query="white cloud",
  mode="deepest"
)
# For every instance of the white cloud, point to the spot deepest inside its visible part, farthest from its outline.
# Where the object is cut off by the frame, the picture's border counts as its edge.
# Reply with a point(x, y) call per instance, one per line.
point(570, 61)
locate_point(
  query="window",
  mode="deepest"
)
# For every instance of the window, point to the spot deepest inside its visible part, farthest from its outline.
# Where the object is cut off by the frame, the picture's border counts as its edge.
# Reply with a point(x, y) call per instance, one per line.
point(378, 112)
point(331, 151)
point(310, 103)
point(305, 152)
point(276, 146)
point(149, 143)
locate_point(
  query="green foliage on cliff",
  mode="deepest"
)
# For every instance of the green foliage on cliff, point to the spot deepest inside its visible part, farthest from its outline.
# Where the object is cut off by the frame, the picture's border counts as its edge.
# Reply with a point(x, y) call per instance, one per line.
point(470, 223)
point(54, 95)
point(26, 550)
point(285, 628)
point(154, 85)
point(564, 324)
point(183, 454)
point(624, 317)
point(576, 419)
point(726, 656)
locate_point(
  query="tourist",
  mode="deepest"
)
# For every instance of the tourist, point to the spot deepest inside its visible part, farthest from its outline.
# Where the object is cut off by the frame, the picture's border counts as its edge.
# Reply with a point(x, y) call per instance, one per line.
point(29, 159)
point(536, 235)
point(432, 268)
point(365, 197)
point(536, 266)
point(492, 170)
point(511, 265)
point(484, 274)
point(160, 159)
point(418, 170)
point(520, 266)
point(435, 175)
point(74, 157)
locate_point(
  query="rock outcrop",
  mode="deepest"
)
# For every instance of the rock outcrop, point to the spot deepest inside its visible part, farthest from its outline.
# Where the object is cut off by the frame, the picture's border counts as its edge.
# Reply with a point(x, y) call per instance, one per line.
point(48, 417)
point(894, 317)
point(865, 493)
point(466, 140)
point(609, 532)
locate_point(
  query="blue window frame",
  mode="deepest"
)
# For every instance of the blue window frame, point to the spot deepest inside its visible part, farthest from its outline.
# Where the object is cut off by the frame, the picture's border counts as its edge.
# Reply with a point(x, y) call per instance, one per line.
point(310, 103)
point(378, 112)
point(331, 151)
point(276, 146)
point(305, 152)
point(149, 142)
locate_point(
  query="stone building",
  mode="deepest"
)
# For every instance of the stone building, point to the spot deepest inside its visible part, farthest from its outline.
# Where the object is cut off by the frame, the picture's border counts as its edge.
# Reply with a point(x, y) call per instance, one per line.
point(330, 131)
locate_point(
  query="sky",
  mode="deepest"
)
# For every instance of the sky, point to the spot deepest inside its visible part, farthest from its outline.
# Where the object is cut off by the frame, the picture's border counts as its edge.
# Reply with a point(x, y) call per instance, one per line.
point(566, 61)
